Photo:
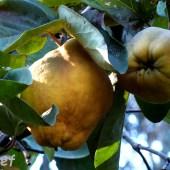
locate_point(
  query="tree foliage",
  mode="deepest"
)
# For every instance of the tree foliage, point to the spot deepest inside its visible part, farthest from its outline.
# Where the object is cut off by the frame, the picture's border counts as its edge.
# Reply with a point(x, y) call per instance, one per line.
point(103, 28)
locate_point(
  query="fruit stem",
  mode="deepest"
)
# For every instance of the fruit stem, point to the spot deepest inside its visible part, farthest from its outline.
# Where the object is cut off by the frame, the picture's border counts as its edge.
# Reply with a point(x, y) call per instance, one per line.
point(56, 40)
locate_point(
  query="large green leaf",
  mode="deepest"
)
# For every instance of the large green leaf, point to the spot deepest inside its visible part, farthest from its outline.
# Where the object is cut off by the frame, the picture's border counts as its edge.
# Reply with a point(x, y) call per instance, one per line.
point(24, 112)
point(19, 161)
point(27, 36)
point(154, 112)
point(14, 82)
point(27, 15)
point(13, 61)
point(88, 35)
point(107, 154)
point(9, 89)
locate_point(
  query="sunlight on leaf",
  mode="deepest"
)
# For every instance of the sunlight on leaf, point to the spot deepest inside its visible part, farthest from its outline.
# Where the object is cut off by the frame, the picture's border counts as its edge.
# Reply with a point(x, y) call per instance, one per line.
point(13, 61)
point(34, 45)
point(105, 153)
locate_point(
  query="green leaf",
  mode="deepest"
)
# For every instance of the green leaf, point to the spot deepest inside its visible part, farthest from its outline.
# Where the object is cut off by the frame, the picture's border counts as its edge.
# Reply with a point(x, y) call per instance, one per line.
point(120, 10)
point(50, 45)
point(56, 3)
point(49, 153)
point(168, 8)
point(105, 153)
point(9, 124)
point(154, 112)
point(110, 136)
point(75, 164)
point(9, 88)
point(34, 45)
point(75, 25)
point(19, 160)
point(13, 61)
point(52, 27)
point(167, 117)
point(3, 71)
point(88, 35)
point(160, 21)
point(14, 82)
point(24, 112)
point(125, 12)
point(27, 15)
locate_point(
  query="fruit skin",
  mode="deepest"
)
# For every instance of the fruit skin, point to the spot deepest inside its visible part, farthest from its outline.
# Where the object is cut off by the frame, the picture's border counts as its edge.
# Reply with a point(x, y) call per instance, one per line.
point(70, 79)
point(148, 75)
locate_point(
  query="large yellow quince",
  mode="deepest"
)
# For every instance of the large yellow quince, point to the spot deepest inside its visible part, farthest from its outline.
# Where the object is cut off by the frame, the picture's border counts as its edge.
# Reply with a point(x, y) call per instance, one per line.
point(148, 75)
point(70, 79)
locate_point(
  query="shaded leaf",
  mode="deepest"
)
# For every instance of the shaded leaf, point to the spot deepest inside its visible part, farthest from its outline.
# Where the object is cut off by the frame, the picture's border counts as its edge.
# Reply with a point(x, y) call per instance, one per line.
point(3, 71)
point(9, 123)
point(14, 82)
point(111, 134)
point(75, 164)
point(117, 53)
point(9, 88)
point(126, 12)
point(168, 8)
point(154, 112)
point(27, 15)
point(24, 112)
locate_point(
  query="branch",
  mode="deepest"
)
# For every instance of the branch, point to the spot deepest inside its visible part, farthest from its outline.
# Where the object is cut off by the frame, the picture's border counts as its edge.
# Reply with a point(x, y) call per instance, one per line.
point(138, 147)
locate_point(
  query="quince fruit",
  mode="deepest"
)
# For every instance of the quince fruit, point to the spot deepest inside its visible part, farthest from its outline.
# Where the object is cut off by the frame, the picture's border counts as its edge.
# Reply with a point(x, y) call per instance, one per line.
point(68, 78)
point(148, 74)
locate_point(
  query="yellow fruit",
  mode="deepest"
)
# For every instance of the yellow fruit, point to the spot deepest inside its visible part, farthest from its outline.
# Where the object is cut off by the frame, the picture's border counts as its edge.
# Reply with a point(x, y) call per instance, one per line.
point(148, 75)
point(70, 79)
